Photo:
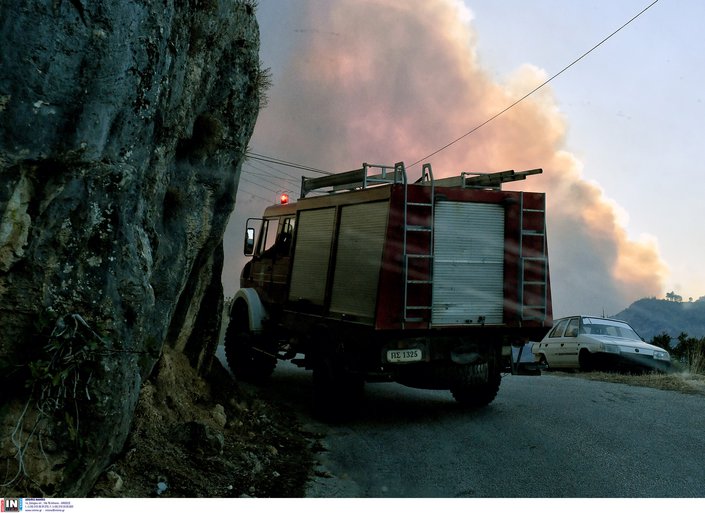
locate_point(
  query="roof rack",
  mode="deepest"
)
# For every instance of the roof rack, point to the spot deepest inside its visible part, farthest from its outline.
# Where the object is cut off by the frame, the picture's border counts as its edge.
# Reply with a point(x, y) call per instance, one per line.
point(485, 180)
point(355, 179)
point(364, 178)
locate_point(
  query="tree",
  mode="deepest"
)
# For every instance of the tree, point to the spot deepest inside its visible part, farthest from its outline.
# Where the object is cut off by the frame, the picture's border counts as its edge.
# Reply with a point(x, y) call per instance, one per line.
point(663, 341)
point(672, 296)
point(690, 351)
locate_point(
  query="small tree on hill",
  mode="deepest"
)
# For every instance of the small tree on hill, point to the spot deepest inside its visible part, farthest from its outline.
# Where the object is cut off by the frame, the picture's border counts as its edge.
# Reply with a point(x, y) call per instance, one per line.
point(672, 296)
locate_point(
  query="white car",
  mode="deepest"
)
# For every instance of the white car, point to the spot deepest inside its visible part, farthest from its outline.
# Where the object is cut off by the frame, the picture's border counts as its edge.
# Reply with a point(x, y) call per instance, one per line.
point(594, 343)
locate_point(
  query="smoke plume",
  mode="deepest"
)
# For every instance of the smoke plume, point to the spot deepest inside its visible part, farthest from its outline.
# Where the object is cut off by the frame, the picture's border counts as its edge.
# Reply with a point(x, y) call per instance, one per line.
point(382, 81)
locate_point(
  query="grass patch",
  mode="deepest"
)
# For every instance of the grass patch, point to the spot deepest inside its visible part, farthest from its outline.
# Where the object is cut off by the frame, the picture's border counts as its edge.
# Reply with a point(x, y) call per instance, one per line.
point(684, 382)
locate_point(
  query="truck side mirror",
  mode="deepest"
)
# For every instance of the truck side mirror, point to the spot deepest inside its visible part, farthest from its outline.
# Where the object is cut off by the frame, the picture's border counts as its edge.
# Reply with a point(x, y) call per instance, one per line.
point(249, 241)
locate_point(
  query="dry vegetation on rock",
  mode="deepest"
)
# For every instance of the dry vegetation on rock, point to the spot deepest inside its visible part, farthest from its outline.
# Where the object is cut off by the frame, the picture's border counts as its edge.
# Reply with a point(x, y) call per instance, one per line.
point(194, 437)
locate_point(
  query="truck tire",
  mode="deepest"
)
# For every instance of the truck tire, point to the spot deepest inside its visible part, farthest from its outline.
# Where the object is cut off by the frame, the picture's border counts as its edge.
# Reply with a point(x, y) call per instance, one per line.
point(251, 357)
point(476, 384)
point(337, 393)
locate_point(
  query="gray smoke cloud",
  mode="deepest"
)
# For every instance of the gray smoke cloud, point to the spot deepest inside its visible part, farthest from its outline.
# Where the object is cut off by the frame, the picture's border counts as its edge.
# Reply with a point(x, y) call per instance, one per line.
point(383, 81)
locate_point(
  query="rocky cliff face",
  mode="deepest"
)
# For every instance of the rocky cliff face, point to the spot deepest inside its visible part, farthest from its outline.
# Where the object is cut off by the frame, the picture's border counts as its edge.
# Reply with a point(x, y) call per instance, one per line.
point(122, 129)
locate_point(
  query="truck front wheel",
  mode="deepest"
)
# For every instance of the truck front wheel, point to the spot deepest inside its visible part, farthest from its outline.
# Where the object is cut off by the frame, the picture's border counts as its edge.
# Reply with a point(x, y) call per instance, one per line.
point(476, 385)
point(251, 357)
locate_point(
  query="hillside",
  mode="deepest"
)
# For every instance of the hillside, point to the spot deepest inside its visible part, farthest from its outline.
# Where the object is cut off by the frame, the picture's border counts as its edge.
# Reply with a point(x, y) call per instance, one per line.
point(651, 317)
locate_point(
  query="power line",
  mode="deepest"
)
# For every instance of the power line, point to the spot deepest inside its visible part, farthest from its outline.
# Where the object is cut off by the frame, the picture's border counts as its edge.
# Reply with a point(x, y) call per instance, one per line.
point(260, 185)
point(268, 201)
point(283, 172)
point(273, 172)
point(253, 180)
point(274, 160)
point(536, 88)
point(257, 171)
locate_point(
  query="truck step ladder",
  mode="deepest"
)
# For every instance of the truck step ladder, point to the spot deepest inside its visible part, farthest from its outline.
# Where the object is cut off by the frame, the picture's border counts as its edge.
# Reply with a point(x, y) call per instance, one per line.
point(533, 262)
point(423, 254)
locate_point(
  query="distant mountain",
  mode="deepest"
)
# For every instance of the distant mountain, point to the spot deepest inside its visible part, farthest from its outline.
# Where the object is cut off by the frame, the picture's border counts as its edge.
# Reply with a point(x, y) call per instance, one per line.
point(651, 317)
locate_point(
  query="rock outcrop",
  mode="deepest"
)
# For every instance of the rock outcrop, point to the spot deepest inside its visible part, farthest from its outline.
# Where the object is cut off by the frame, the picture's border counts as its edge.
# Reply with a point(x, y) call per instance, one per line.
point(122, 130)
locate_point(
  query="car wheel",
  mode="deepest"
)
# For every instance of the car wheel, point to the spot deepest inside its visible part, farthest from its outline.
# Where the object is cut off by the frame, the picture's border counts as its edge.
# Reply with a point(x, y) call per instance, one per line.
point(586, 361)
point(544, 363)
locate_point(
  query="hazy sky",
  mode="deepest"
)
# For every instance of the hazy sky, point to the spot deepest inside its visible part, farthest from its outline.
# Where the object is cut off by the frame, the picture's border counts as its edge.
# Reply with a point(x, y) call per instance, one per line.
point(616, 134)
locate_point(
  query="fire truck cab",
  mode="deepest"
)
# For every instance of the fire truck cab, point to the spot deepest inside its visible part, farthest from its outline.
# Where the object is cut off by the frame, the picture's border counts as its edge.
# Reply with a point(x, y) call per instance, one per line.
point(428, 284)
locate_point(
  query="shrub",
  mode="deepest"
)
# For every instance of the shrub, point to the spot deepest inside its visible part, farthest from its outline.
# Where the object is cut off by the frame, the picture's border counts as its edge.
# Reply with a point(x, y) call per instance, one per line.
point(690, 352)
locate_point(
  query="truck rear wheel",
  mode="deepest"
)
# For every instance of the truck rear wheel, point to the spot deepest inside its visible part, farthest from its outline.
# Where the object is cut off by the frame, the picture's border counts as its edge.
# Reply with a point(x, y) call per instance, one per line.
point(251, 357)
point(337, 393)
point(476, 384)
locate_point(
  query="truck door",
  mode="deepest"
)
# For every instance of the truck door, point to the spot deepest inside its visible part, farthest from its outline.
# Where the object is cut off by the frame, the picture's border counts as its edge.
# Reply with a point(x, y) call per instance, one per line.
point(270, 264)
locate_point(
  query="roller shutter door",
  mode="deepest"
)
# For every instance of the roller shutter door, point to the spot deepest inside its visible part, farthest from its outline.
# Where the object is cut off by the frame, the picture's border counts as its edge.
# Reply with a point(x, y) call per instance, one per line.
point(358, 259)
point(312, 255)
point(468, 269)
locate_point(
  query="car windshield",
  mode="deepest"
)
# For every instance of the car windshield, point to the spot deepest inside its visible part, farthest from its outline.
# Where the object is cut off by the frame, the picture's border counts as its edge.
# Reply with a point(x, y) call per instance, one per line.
point(608, 328)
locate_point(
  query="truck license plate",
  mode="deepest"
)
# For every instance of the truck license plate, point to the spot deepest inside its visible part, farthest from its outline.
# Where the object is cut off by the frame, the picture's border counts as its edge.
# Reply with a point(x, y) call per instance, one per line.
point(404, 355)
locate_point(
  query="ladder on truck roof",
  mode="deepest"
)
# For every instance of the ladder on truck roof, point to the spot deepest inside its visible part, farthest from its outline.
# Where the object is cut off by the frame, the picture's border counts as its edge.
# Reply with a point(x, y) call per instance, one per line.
point(355, 179)
point(485, 180)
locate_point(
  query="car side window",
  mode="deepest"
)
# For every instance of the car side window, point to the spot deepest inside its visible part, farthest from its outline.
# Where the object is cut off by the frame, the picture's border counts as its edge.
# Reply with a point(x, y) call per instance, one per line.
point(558, 330)
point(573, 327)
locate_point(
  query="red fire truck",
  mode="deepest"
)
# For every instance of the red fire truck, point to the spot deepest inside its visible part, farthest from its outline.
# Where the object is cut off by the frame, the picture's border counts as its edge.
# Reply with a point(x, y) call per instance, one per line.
point(368, 277)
